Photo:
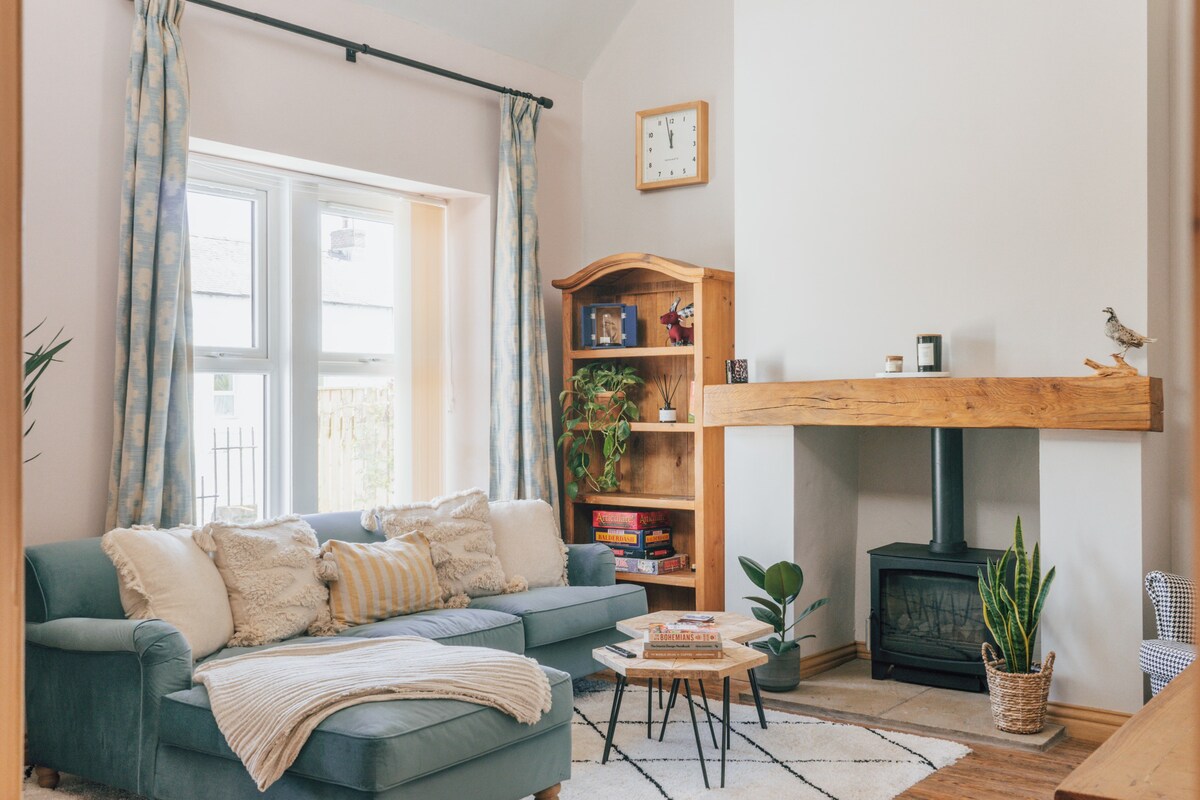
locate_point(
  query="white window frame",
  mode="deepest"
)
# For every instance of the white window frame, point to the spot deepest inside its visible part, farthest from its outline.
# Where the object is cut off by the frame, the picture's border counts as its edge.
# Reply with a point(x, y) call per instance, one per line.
point(287, 319)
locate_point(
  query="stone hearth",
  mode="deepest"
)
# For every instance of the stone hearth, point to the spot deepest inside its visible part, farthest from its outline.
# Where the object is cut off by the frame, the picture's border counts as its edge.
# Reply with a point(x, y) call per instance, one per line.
point(848, 694)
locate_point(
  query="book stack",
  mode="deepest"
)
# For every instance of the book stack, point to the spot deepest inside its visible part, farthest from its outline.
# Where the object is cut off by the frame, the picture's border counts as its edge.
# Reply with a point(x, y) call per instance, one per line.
point(682, 640)
point(640, 540)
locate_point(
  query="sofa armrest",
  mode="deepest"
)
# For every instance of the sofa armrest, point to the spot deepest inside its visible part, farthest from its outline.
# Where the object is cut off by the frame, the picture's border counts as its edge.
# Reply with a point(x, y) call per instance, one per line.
point(590, 565)
point(92, 693)
point(152, 640)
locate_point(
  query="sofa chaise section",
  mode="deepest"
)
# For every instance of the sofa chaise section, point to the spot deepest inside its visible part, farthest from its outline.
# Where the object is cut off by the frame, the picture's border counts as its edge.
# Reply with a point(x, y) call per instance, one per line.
point(390, 750)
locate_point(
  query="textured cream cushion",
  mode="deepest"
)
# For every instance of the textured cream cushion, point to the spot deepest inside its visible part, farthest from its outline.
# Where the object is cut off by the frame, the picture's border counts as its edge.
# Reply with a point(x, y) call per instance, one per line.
point(164, 575)
point(528, 542)
point(460, 538)
point(270, 572)
point(378, 580)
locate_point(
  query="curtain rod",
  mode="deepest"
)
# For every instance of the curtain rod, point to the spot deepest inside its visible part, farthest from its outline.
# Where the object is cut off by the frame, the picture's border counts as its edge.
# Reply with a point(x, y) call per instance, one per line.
point(353, 49)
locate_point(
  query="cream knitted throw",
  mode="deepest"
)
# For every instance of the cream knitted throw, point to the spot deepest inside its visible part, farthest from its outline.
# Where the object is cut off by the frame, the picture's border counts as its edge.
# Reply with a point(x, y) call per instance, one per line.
point(268, 702)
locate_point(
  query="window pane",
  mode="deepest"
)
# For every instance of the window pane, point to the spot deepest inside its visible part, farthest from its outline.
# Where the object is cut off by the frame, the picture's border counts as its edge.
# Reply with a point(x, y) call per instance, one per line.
point(230, 429)
point(358, 267)
point(355, 442)
point(222, 240)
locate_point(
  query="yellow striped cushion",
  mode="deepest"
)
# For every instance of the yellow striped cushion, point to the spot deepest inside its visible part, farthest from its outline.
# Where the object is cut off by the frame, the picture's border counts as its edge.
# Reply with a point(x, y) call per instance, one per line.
point(379, 580)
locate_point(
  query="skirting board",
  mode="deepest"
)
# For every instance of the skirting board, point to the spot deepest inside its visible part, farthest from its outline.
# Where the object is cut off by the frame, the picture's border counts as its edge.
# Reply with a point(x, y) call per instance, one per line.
point(1083, 723)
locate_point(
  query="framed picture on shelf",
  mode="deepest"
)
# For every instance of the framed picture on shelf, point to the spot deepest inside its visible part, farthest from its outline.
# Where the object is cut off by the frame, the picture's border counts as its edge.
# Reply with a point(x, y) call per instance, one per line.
point(608, 325)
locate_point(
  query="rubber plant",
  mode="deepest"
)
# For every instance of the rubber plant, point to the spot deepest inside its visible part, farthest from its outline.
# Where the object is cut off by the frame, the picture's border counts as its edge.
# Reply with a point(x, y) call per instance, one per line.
point(37, 362)
point(596, 412)
point(1013, 616)
point(782, 582)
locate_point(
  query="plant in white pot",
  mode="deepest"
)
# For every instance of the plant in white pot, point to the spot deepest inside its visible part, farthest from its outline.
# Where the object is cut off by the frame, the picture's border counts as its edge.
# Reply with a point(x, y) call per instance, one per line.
point(782, 582)
point(1012, 609)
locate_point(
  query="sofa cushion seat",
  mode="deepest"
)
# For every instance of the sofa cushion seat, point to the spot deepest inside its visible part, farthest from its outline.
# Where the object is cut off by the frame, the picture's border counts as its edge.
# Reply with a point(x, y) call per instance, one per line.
point(1165, 658)
point(558, 613)
point(473, 627)
point(372, 747)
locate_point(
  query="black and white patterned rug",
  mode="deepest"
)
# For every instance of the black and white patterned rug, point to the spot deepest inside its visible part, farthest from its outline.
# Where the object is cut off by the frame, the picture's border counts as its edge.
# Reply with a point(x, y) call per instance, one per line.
point(795, 757)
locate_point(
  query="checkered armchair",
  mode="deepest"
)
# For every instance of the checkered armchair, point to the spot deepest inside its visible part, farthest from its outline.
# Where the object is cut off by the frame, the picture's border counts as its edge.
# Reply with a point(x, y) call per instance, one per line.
point(1174, 599)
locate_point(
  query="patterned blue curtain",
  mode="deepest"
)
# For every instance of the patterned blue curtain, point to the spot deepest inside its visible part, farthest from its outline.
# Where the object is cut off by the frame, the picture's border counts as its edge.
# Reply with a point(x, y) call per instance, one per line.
point(151, 478)
point(522, 436)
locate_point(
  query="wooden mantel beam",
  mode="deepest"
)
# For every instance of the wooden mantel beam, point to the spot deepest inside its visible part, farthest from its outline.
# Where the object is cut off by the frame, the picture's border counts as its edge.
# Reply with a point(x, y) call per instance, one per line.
point(1125, 403)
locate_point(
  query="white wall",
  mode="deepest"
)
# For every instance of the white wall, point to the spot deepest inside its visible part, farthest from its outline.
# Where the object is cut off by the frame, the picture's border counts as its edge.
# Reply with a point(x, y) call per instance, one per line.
point(268, 90)
point(664, 52)
point(995, 172)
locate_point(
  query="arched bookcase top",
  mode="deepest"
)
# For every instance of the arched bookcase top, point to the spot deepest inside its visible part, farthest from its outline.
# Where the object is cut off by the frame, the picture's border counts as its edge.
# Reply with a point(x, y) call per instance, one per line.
point(620, 262)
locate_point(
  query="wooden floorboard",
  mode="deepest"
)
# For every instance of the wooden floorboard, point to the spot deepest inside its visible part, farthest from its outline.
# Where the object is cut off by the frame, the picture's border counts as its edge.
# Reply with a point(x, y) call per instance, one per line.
point(993, 772)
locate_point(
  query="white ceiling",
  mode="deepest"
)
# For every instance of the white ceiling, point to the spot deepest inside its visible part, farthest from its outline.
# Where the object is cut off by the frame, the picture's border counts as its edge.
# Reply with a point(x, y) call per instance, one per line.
point(563, 36)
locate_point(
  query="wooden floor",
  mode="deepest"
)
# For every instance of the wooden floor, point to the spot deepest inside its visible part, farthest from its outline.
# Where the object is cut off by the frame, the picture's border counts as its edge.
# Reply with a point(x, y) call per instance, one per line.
point(992, 772)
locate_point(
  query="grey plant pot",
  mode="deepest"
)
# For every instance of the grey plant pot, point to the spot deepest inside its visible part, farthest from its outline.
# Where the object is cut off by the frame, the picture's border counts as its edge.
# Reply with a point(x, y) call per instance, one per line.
point(780, 673)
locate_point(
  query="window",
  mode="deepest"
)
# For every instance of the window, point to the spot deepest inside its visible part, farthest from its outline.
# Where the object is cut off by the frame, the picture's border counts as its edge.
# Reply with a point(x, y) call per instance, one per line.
point(303, 295)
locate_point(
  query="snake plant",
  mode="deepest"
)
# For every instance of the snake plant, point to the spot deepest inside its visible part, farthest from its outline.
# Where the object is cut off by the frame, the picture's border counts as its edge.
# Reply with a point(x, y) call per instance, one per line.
point(1013, 616)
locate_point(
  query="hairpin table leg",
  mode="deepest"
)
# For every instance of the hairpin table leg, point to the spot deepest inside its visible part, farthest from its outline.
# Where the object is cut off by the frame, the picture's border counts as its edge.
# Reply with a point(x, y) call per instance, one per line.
point(612, 717)
point(696, 730)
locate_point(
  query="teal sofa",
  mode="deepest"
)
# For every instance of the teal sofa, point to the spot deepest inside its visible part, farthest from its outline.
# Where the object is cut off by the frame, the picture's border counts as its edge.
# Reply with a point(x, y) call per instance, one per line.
point(112, 699)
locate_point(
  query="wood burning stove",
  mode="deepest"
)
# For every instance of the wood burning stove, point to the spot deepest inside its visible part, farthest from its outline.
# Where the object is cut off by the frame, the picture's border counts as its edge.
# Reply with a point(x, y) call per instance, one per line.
point(926, 622)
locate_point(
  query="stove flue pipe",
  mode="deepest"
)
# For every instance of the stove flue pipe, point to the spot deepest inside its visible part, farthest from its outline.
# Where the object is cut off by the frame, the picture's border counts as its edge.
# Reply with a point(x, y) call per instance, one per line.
point(949, 535)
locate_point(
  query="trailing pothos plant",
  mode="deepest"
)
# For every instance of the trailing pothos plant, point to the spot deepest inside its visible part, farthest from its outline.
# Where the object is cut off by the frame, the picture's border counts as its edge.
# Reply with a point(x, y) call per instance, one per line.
point(1013, 616)
point(782, 582)
point(596, 412)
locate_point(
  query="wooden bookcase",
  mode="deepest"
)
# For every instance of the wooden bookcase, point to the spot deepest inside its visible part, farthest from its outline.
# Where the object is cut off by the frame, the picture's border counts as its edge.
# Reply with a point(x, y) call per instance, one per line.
point(677, 466)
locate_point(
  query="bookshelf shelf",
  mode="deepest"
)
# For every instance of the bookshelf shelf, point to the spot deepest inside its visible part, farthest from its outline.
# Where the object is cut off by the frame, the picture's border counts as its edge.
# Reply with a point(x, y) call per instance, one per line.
point(638, 500)
point(607, 354)
point(681, 578)
point(684, 474)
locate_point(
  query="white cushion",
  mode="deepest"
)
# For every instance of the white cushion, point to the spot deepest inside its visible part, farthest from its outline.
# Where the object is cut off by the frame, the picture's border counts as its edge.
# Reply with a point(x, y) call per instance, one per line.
point(165, 575)
point(270, 571)
point(528, 543)
point(460, 538)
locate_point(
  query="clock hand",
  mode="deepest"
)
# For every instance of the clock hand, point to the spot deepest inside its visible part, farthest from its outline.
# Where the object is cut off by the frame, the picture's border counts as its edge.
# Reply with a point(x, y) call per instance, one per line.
point(670, 136)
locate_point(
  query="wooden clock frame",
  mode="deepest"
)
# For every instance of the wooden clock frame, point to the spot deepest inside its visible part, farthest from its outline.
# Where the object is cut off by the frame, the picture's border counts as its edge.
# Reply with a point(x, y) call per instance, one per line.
point(701, 176)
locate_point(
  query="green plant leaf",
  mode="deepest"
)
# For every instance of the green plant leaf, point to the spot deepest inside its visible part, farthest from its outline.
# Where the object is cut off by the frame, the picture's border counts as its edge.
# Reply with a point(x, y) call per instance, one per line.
point(770, 618)
point(811, 608)
point(572, 489)
point(782, 582)
point(785, 646)
point(754, 571)
point(766, 604)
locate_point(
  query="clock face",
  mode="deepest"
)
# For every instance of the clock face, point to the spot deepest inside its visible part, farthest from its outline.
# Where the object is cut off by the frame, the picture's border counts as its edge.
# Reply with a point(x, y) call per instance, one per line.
point(672, 146)
point(669, 148)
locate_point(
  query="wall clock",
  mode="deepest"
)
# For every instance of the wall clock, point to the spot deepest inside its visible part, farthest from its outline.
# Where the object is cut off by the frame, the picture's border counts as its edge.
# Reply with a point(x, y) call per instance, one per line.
point(672, 146)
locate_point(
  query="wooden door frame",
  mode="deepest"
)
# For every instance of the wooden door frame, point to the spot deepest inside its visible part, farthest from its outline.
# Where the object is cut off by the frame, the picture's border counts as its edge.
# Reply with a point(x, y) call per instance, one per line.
point(1196, 303)
point(12, 646)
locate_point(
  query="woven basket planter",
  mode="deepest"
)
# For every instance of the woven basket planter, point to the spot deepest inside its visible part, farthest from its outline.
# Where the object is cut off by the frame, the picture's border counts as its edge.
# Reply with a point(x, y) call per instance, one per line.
point(1018, 698)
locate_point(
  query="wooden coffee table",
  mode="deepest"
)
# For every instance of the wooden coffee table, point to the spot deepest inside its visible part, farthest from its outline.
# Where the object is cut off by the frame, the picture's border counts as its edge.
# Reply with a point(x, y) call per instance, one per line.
point(733, 628)
point(735, 658)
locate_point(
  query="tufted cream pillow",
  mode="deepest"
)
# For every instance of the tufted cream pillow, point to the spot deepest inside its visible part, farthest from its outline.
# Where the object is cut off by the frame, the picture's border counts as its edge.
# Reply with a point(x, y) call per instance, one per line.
point(270, 573)
point(528, 542)
point(164, 575)
point(460, 539)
